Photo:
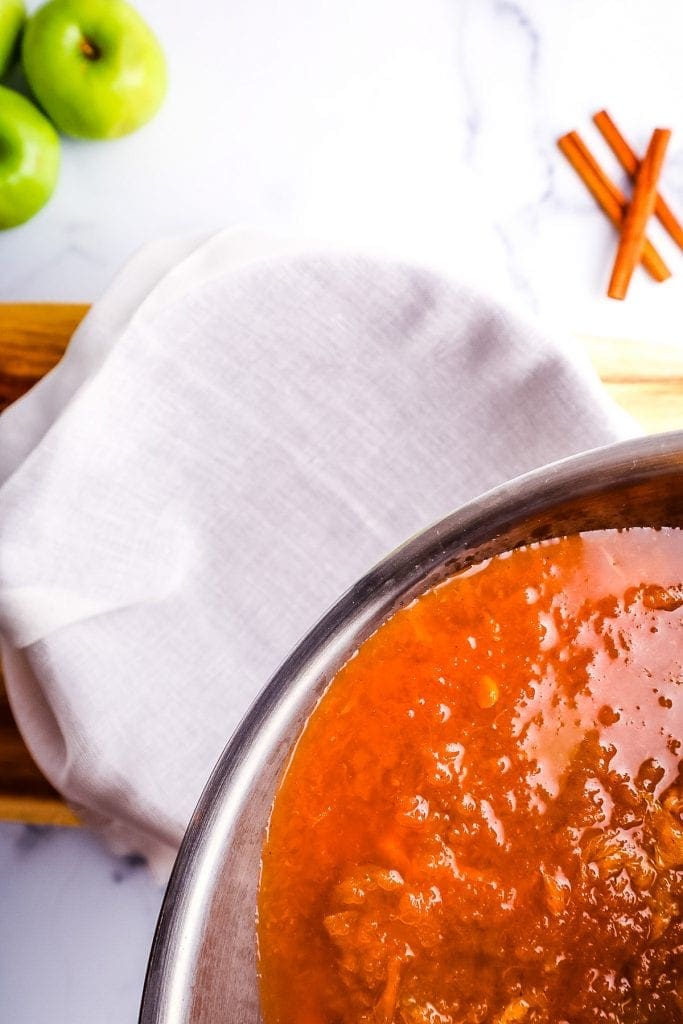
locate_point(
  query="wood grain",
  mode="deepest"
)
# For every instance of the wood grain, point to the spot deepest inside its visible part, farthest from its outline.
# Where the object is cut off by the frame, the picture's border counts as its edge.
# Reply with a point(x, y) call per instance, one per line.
point(646, 380)
point(25, 795)
point(32, 340)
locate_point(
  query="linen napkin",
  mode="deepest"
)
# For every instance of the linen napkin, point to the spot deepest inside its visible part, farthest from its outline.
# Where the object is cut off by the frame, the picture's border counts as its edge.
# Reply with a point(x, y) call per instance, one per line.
point(236, 433)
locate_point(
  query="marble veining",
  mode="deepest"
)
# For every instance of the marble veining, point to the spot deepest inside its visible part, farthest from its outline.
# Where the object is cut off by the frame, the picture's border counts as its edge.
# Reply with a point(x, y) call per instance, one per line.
point(76, 924)
point(425, 130)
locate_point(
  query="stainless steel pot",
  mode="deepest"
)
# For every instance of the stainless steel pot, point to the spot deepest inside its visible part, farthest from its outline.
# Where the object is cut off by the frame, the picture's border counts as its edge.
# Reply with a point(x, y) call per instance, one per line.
point(202, 967)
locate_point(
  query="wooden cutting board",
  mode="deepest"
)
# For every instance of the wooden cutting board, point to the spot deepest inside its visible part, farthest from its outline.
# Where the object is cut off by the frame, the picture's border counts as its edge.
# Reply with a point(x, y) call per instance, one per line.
point(646, 380)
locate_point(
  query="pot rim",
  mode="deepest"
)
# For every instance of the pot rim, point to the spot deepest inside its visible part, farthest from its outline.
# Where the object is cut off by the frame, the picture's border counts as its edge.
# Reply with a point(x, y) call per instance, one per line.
point(167, 993)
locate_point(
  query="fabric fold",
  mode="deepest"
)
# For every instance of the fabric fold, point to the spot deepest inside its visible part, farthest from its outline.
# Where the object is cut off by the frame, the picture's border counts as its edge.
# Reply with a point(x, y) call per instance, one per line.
point(237, 433)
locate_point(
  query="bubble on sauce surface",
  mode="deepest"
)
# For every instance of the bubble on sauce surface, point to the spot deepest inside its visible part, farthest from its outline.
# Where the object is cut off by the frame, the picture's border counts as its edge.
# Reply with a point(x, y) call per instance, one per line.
point(643, 718)
point(493, 821)
point(573, 718)
point(444, 712)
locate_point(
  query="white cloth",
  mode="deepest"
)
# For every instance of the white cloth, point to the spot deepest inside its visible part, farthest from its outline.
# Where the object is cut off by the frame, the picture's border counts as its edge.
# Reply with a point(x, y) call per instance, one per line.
point(231, 440)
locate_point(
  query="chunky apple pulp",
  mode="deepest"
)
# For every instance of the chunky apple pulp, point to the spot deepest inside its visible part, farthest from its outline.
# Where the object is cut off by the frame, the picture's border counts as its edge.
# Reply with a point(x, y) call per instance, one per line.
point(482, 819)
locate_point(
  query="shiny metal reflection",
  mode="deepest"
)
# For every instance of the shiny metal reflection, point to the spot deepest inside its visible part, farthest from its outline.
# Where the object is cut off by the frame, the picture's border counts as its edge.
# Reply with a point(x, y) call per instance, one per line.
point(202, 967)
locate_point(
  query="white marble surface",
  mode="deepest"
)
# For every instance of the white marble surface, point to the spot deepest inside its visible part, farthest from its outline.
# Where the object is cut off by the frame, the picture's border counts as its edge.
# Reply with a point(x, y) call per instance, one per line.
point(426, 129)
point(421, 128)
point(75, 928)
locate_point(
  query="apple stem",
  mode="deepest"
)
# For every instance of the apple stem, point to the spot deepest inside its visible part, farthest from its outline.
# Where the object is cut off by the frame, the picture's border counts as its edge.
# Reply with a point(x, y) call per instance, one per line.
point(89, 49)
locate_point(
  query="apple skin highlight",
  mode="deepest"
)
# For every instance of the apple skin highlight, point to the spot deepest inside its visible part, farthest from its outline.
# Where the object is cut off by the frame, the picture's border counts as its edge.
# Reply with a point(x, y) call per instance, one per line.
point(95, 67)
point(29, 159)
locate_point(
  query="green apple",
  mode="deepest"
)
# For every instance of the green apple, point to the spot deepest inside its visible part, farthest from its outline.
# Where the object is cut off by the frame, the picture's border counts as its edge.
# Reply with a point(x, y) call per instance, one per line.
point(12, 14)
point(29, 159)
point(94, 66)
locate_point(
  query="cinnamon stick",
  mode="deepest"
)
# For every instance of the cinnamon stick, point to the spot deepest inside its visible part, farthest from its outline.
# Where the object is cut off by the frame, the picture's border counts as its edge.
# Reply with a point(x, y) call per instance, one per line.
point(630, 162)
point(632, 240)
point(610, 198)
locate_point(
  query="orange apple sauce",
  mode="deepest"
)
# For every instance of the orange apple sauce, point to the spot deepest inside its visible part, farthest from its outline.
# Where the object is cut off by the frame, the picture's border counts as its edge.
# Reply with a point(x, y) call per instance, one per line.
point(482, 819)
